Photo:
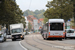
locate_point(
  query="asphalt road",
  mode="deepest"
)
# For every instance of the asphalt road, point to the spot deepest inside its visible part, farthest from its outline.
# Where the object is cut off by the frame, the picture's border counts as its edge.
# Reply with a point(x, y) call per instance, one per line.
point(10, 45)
point(36, 42)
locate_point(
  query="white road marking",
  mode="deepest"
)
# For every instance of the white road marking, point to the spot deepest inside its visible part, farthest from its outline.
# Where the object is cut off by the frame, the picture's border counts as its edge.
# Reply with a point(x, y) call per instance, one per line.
point(22, 46)
point(64, 47)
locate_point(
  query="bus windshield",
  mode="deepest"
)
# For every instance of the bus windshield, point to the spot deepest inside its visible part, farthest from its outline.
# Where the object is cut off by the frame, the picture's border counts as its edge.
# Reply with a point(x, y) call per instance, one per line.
point(18, 30)
point(56, 26)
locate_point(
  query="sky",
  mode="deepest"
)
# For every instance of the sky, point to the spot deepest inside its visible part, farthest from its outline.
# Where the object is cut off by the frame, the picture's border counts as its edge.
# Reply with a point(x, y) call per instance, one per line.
point(32, 4)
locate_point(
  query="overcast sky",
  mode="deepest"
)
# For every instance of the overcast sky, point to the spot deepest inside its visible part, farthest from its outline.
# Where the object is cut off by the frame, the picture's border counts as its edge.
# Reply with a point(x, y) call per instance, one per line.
point(32, 4)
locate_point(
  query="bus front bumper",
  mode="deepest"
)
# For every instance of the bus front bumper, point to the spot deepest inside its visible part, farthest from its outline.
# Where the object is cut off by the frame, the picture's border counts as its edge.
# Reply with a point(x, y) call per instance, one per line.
point(56, 36)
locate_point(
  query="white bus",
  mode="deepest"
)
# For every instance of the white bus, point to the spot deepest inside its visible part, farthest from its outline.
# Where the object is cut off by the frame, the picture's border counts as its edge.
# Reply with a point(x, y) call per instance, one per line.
point(54, 28)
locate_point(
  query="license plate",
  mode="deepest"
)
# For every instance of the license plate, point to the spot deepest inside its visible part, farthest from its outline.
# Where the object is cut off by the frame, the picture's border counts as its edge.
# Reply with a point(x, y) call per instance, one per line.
point(56, 34)
point(16, 36)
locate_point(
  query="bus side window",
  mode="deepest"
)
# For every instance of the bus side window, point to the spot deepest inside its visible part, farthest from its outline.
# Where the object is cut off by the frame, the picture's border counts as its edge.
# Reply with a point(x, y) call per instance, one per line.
point(47, 27)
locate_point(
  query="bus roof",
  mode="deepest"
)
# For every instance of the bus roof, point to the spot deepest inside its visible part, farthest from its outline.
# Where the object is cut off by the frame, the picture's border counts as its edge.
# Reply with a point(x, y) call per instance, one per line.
point(56, 20)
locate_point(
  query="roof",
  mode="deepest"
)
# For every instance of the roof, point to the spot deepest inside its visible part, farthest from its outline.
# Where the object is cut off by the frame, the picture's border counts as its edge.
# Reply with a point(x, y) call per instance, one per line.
point(41, 19)
point(31, 16)
point(56, 20)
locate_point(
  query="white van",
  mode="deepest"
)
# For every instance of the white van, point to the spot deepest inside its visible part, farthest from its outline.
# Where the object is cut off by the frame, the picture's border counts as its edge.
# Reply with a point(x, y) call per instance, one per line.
point(70, 33)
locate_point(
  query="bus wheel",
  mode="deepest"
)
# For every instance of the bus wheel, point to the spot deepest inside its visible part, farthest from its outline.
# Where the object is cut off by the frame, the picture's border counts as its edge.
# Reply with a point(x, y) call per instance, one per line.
point(43, 37)
point(46, 37)
point(65, 37)
point(60, 39)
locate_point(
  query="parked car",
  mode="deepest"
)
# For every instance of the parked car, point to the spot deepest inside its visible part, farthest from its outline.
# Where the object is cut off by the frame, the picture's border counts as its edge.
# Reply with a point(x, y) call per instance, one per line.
point(70, 33)
point(3, 35)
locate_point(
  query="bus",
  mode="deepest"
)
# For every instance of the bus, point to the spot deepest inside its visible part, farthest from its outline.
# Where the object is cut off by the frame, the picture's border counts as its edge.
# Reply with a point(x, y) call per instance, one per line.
point(54, 28)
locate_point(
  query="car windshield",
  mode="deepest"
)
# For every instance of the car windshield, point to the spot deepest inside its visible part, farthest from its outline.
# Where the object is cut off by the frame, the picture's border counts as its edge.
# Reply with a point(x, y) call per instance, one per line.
point(18, 30)
point(70, 31)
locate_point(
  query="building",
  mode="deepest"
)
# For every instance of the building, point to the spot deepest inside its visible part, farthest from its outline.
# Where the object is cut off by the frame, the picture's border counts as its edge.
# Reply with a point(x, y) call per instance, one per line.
point(36, 23)
point(26, 22)
point(30, 19)
point(36, 27)
point(40, 24)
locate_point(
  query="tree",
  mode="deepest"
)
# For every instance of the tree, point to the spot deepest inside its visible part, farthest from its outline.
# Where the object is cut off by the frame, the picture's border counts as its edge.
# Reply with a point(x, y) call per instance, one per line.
point(59, 9)
point(37, 13)
point(29, 26)
point(10, 13)
point(23, 21)
point(45, 20)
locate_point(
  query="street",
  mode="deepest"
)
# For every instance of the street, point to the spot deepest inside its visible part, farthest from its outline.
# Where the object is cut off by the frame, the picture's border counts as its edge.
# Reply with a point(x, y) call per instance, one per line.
point(36, 42)
point(10, 45)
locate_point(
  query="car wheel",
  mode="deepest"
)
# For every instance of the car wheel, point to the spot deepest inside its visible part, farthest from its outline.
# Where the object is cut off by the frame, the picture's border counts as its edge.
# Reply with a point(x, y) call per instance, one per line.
point(13, 39)
point(23, 38)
